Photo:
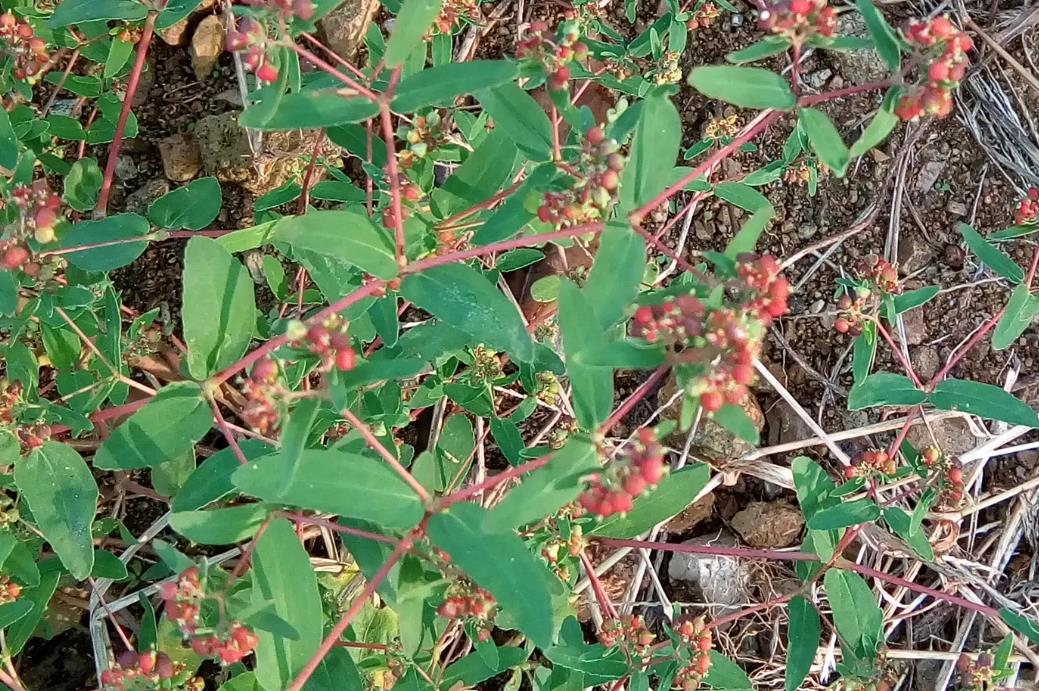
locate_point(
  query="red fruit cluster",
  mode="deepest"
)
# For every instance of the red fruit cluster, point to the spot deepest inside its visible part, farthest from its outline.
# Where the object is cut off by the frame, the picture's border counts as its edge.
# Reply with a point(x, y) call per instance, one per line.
point(20, 41)
point(183, 600)
point(453, 11)
point(149, 670)
point(15, 257)
point(9, 590)
point(261, 392)
point(630, 633)
point(871, 462)
point(767, 291)
point(1028, 210)
point(703, 17)
point(10, 395)
point(540, 48)
point(595, 182)
point(853, 317)
point(470, 602)
point(695, 634)
point(251, 40)
point(883, 275)
point(949, 474)
point(287, 9)
point(798, 20)
point(975, 675)
point(427, 133)
point(943, 49)
point(40, 209)
point(639, 469)
point(33, 436)
point(331, 342)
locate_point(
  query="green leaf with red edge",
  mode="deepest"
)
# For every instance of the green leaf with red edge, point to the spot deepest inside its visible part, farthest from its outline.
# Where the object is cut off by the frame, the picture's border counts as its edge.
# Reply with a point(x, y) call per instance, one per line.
point(592, 385)
point(883, 35)
point(520, 118)
point(726, 675)
point(1029, 628)
point(166, 427)
point(441, 85)
point(658, 138)
point(341, 235)
point(117, 227)
point(747, 87)
point(983, 400)
point(844, 515)
point(617, 272)
point(219, 307)
point(193, 206)
point(765, 48)
point(282, 575)
point(81, 11)
point(990, 255)
point(884, 388)
point(1022, 308)
point(858, 619)
point(462, 297)
point(500, 563)
point(864, 349)
point(826, 141)
point(674, 493)
point(802, 641)
point(62, 495)
point(412, 23)
point(224, 526)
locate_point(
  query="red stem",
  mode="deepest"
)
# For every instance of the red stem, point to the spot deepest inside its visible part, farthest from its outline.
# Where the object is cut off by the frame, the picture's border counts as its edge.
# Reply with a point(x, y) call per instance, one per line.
point(124, 114)
point(897, 352)
point(391, 167)
point(390, 459)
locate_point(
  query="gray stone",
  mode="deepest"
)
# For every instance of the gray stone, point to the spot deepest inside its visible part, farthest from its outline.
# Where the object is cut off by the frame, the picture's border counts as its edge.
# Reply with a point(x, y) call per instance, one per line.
point(138, 201)
point(207, 44)
point(913, 254)
point(925, 361)
point(125, 168)
point(915, 326)
point(181, 157)
point(928, 176)
point(952, 435)
point(768, 525)
point(818, 79)
point(722, 580)
point(857, 66)
point(345, 26)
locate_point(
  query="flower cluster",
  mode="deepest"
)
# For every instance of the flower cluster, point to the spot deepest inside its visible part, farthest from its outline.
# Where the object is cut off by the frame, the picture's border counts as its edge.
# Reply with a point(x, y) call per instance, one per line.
point(330, 341)
point(472, 603)
point(1028, 210)
point(39, 208)
point(703, 16)
point(251, 40)
point(183, 599)
point(453, 12)
point(976, 675)
point(798, 20)
point(628, 632)
point(9, 590)
point(878, 278)
point(694, 634)
point(596, 178)
point(10, 395)
point(722, 127)
point(871, 462)
point(149, 670)
point(427, 133)
point(410, 193)
point(33, 436)
point(668, 70)
point(261, 392)
point(950, 476)
point(639, 469)
point(725, 340)
point(21, 43)
point(551, 56)
point(943, 50)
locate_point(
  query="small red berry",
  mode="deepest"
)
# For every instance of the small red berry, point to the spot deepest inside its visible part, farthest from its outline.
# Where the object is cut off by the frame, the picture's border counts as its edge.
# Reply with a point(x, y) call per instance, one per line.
point(346, 359)
point(712, 401)
point(267, 73)
point(596, 135)
point(955, 475)
point(15, 256)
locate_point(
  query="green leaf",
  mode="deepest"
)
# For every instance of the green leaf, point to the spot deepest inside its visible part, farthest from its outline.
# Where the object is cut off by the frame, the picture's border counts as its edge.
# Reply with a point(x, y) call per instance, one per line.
point(9, 287)
point(107, 565)
point(914, 298)
point(118, 227)
point(983, 400)
point(599, 664)
point(220, 526)
point(482, 175)
point(858, 619)
point(747, 237)
point(310, 109)
point(726, 675)
point(13, 611)
point(864, 349)
point(743, 195)
point(773, 45)
point(1015, 231)
point(616, 273)
point(825, 139)
point(441, 85)
point(212, 478)
point(883, 122)
point(82, 11)
point(802, 641)
point(845, 515)
point(546, 490)
point(293, 439)
point(736, 420)
point(902, 525)
point(345, 236)
point(658, 138)
point(8, 142)
point(19, 633)
point(219, 313)
point(174, 11)
point(119, 52)
point(501, 564)
point(412, 23)
point(62, 496)
point(83, 184)
point(519, 117)
point(1022, 307)
point(747, 87)
point(282, 575)
point(333, 481)
point(473, 668)
point(674, 493)
point(461, 297)
point(193, 206)
point(1028, 628)
point(167, 427)
point(882, 34)
point(884, 388)
point(990, 255)
point(592, 385)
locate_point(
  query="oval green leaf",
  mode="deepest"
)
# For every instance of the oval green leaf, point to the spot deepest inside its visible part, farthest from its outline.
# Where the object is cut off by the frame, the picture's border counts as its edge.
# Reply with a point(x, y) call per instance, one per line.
point(345, 236)
point(747, 87)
